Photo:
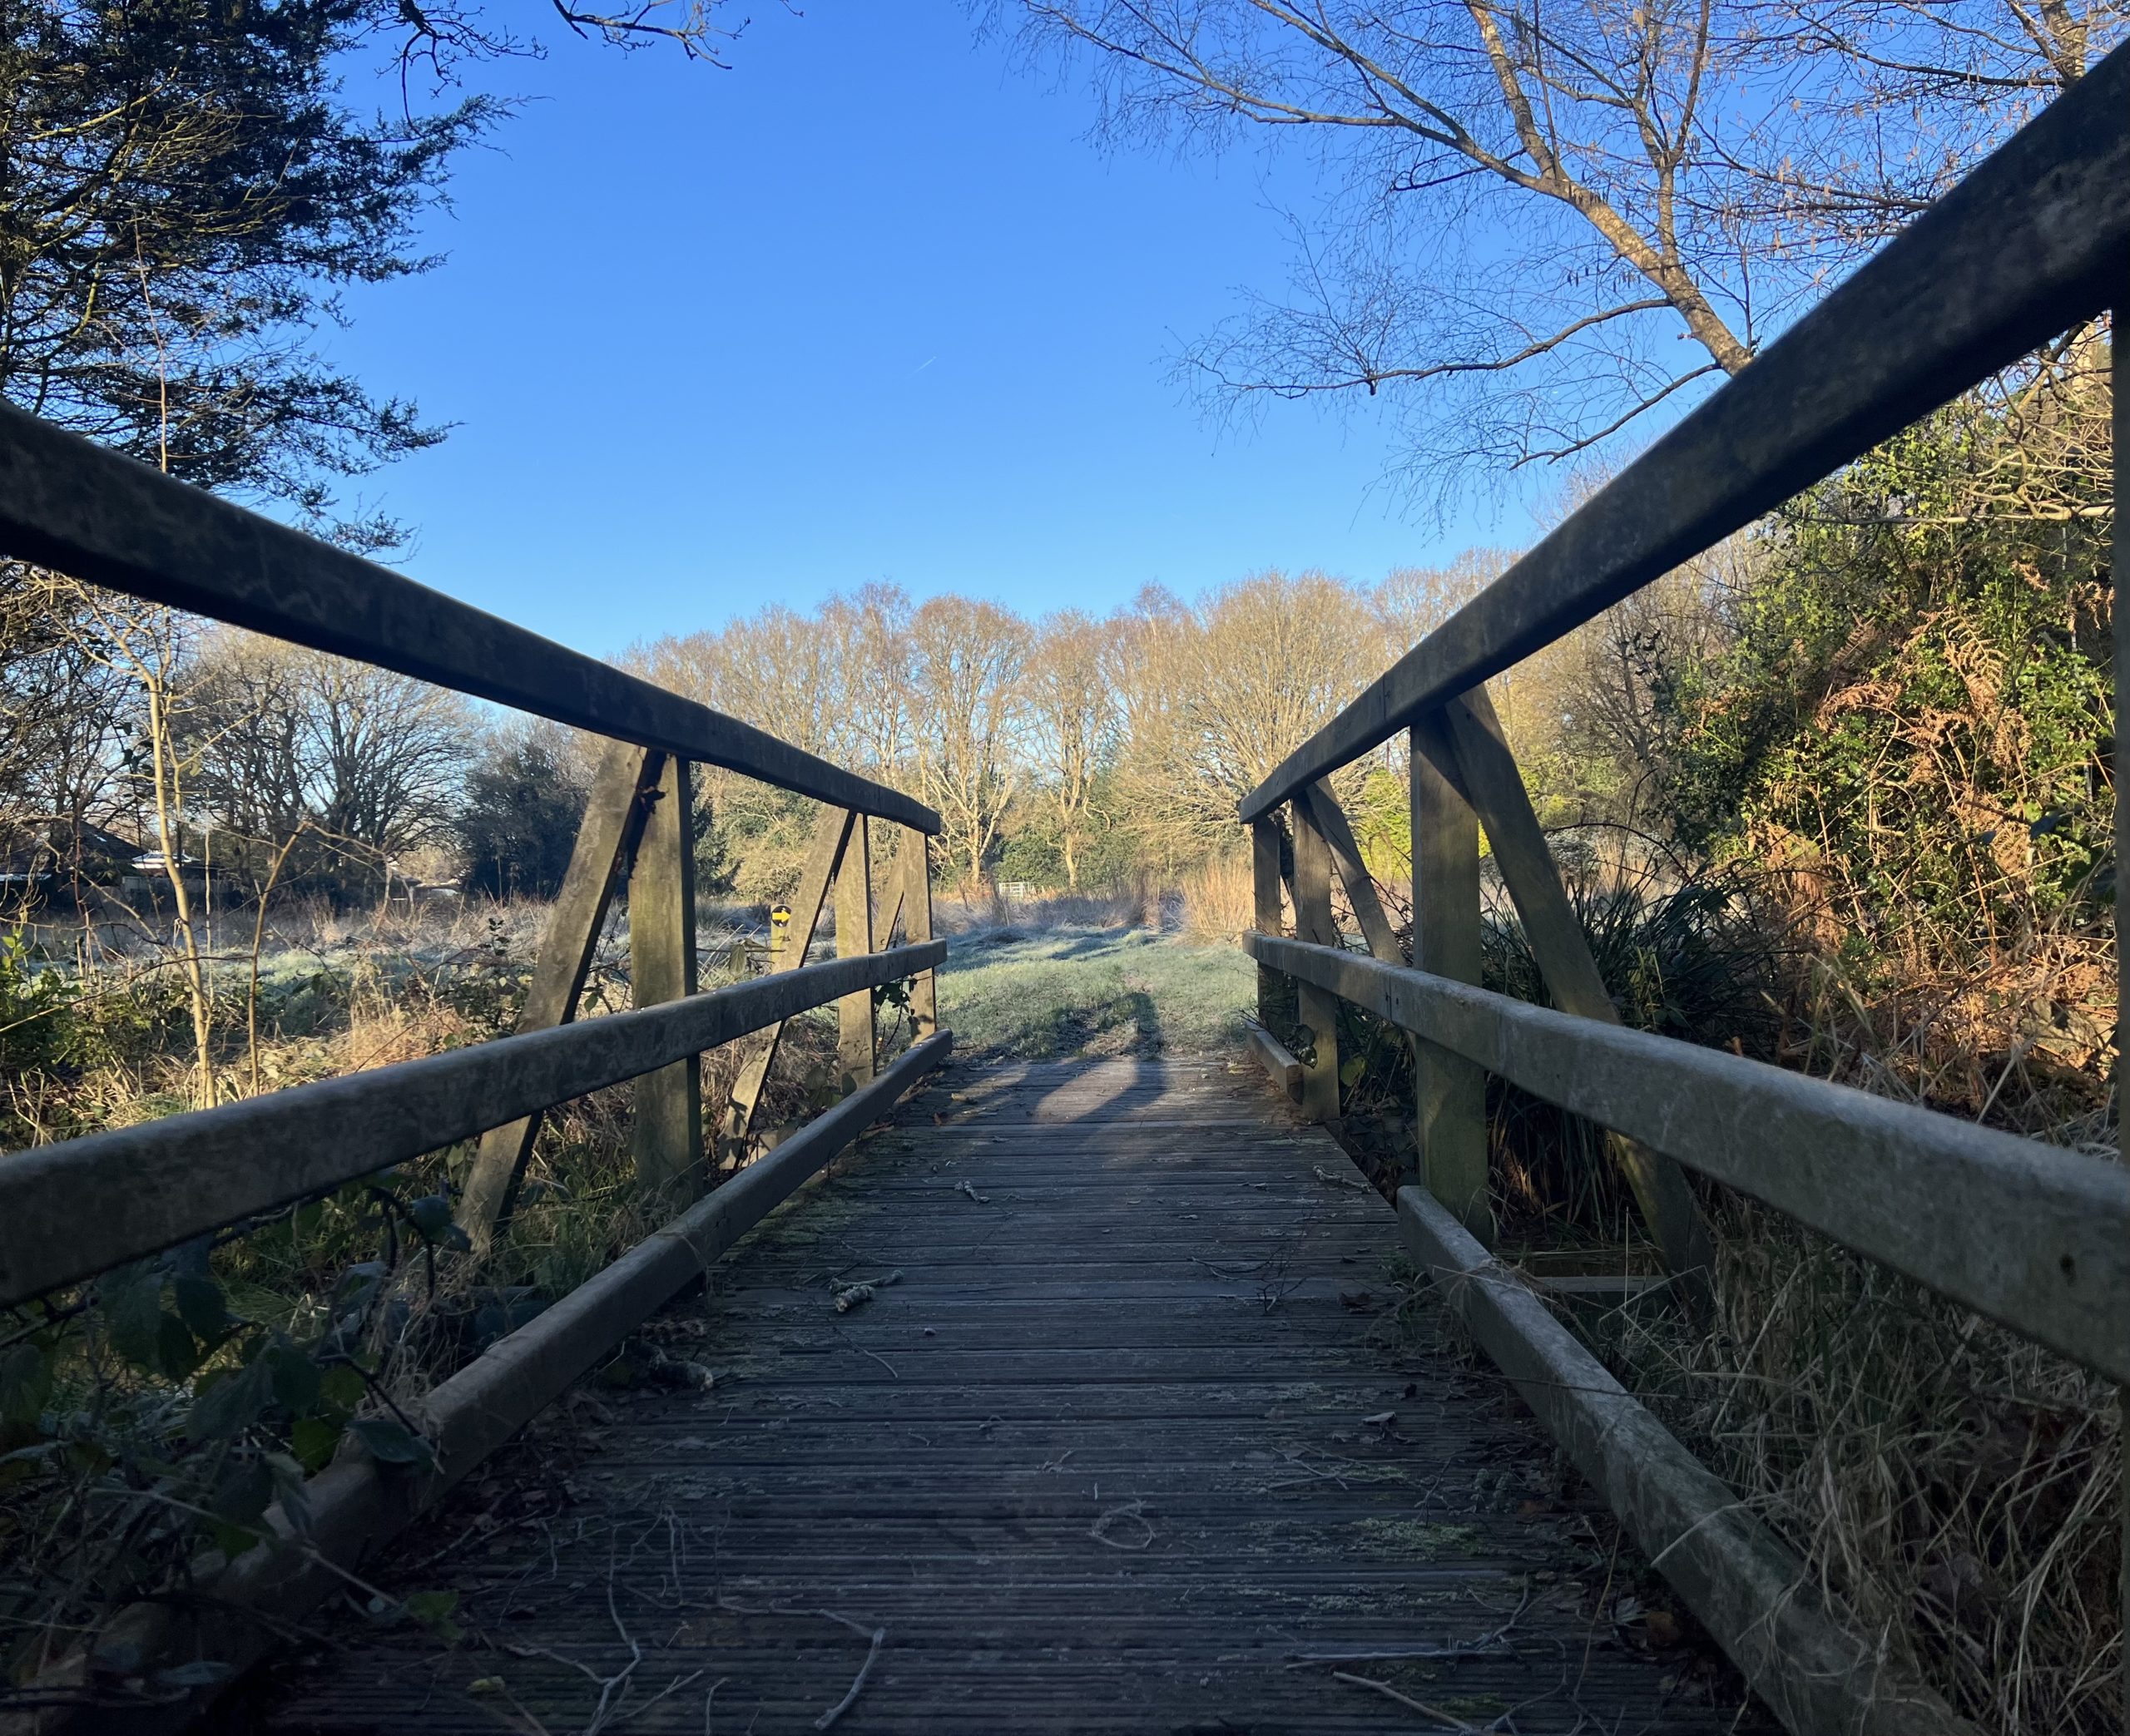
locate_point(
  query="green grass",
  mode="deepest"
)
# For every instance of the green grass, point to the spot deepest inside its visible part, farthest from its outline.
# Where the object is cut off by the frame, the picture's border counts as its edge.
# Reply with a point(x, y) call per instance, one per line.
point(1064, 993)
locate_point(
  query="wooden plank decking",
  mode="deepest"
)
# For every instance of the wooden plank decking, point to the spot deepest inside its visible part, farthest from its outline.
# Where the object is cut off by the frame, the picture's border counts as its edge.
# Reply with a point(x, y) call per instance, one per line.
point(1110, 1454)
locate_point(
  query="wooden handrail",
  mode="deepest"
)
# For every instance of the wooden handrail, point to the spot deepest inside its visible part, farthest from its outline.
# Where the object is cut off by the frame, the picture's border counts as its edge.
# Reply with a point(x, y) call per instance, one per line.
point(80, 1207)
point(81, 509)
point(2030, 1234)
point(2030, 244)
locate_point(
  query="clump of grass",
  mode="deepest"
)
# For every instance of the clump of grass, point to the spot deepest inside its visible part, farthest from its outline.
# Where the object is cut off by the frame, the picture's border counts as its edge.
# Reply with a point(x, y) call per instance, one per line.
point(1220, 900)
point(1689, 952)
point(1959, 1487)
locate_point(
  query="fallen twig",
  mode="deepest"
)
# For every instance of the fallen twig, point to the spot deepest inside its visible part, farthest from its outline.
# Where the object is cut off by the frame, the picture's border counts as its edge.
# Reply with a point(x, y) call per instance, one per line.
point(672, 1687)
point(1447, 1720)
point(878, 1637)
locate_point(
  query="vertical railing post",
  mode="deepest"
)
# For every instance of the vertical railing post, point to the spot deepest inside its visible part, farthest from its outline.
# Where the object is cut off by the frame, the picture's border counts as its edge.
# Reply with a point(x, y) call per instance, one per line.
point(854, 936)
point(1449, 1093)
point(1319, 1008)
point(662, 967)
point(1265, 888)
point(914, 860)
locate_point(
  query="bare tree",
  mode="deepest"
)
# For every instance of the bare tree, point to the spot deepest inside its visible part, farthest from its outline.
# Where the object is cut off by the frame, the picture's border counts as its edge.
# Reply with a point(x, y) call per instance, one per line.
point(1552, 222)
point(966, 659)
point(868, 642)
point(1258, 667)
point(1519, 244)
point(1411, 602)
point(279, 738)
point(1870, 109)
point(68, 708)
point(1073, 715)
point(145, 644)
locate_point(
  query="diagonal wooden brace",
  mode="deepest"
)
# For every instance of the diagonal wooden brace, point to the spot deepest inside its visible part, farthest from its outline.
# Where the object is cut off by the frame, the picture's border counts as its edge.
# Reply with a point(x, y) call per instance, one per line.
point(823, 858)
point(1471, 751)
point(1361, 894)
point(857, 1036)
point(913, 870)
point(621, 791)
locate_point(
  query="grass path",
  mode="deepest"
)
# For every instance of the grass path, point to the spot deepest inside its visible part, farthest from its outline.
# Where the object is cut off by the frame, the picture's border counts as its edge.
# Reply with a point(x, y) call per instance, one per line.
point(1060, 992)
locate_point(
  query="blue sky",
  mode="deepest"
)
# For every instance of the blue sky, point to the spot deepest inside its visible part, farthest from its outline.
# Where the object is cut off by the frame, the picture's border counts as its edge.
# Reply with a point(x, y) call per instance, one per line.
point(871, 305)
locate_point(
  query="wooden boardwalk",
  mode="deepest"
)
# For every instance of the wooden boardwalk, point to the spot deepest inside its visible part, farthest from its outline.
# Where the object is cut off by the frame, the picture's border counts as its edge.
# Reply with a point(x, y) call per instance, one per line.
point(1135, 1442)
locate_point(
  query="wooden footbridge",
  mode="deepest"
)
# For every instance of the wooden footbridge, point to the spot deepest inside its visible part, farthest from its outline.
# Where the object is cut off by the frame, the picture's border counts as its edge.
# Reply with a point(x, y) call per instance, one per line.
point(1120, 1434)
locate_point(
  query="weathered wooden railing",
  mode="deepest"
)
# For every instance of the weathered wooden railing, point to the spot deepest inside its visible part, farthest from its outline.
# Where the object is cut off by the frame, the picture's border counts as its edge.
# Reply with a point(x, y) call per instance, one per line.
point(2035, 241)
point(73, 1209)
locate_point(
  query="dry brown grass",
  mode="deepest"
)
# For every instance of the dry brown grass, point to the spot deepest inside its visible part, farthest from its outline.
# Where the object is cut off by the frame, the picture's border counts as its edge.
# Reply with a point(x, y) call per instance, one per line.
point(1140, 902)
point(1956, 1486)
point(1220, 900)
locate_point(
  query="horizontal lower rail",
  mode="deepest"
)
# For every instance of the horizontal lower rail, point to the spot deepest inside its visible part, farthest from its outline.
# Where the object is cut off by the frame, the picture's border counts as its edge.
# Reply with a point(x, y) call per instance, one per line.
point(80, 1207)
point(79, 508)
point(2028, 245)
point(1747, 1588)
point(357, 1506)
point(2031, 1235)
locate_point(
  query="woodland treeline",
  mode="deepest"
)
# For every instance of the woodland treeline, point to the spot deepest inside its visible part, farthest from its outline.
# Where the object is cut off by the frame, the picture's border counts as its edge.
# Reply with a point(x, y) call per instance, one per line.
point(1066, 751)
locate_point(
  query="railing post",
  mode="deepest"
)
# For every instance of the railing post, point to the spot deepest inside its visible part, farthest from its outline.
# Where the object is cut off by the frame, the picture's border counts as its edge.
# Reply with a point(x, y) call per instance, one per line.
point(1488, 775)
point(914, 860)
point(1265, 885)
point(853, 935)
point(1449, 1093)
point(1318, 1008)
point(662, 967)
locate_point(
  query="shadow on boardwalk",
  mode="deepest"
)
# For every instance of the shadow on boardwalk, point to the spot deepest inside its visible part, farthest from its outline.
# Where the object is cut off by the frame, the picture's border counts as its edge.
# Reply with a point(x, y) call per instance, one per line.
point(1134, 1441)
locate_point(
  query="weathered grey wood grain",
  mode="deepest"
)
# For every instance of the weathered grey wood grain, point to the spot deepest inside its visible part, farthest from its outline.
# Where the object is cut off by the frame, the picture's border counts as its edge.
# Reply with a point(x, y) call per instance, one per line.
point(1488, 776)
point(1807, 1659)
point(1450, 1093)
point(1367, 905)
point(1361, 895)
point(2030, 1234)
point(606, 838)
point(2028, 245)
point(356, 1505)
point(1319, 1012)
point(666, 1136)
point(856, 1035)
point(914, 864)
point(1264, 897)
point(1280, 1067)
point(72, 1209)
point(81, 509)
point(962, 1461)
